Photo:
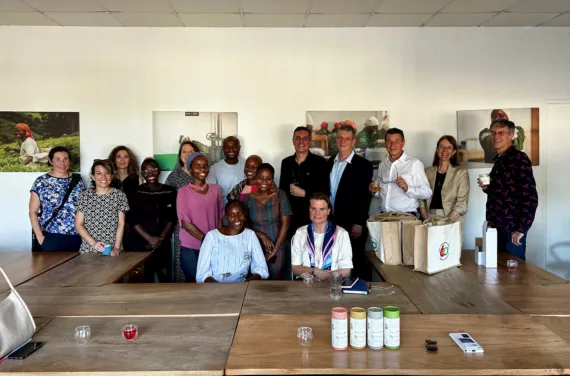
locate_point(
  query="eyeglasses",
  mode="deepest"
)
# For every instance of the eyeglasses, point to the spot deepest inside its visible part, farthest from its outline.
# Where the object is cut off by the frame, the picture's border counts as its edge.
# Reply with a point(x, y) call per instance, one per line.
point(382, 180)
point(150, 170)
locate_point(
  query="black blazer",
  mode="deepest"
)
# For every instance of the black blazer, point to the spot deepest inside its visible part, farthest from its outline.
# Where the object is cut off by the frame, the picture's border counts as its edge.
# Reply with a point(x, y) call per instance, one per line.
point(352, 201)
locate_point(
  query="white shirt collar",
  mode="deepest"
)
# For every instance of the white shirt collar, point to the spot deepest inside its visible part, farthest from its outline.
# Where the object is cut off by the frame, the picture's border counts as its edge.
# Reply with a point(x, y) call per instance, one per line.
point(402, 158)
point(348, 159)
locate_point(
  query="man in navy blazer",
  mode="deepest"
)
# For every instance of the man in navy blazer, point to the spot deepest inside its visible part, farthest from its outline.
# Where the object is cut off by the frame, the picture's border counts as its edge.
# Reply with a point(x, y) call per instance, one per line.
point(350, 176)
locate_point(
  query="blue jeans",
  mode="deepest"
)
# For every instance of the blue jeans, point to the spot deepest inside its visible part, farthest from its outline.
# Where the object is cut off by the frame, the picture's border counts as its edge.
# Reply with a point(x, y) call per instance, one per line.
point(189, 262)
point(505, 244)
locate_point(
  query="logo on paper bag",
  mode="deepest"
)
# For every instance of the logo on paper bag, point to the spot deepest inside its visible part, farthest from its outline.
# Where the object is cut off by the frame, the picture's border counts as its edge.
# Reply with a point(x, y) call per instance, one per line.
point(443, 251)
point(374, 243)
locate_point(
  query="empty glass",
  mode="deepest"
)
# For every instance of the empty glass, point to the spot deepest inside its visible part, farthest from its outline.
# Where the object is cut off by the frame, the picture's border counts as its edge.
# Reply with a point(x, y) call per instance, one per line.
point(82, 334)
point(308, 279)
point(130, 332)
point(512, 265)
point(305, 335)
point(336, 285)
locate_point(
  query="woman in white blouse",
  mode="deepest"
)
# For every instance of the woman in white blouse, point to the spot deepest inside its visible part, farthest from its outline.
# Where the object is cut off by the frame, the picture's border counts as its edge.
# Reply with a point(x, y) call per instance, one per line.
point(321, 247)
point(231, 253)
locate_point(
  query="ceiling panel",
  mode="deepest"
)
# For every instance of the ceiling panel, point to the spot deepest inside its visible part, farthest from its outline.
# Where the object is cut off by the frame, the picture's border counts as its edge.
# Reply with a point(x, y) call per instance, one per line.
point(459, 20)
point(84, 18)
point(206, 6)
point(274, 20)
point(400, 20)
point(561, 21)
point(25, 19)
point(211, 20)
point(14, 6)
point(343, 6)
point(475, 6)
point(275, 6)
point(65, 5)
point(411, 6)
point(138, 6)
point(540, 6)
point(148, 19)
point(337, 20)
point(519, 19)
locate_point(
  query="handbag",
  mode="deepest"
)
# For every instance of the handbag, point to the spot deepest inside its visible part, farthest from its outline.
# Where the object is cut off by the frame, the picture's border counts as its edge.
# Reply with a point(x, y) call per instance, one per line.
point(36, 246)
point(17, 325)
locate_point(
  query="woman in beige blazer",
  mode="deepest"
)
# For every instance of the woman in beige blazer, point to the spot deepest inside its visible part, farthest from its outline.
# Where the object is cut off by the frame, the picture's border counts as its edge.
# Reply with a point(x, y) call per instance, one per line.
point(448, 182)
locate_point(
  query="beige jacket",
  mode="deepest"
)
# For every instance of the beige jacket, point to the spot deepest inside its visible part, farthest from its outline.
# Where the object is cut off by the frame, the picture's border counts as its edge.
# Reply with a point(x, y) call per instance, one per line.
point(455, 190)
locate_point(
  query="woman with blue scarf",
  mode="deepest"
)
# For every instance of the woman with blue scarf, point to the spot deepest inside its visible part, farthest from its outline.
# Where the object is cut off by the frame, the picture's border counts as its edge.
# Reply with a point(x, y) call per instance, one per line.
point(321, 247)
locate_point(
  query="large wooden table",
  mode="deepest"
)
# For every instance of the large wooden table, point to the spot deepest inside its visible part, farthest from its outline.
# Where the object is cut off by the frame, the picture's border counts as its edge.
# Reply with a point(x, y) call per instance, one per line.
point(165, 346)
point(23, 266)
point(451, 291)
point(536, 299)
point(513, 344)
point(90, 270)
point(296, 298)
point(137, 299)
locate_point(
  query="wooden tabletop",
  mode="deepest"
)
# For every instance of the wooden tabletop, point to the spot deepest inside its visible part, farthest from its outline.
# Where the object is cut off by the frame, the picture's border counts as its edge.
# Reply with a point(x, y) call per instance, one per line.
point(525, 274)
point(558, 324)
point(23, 266)
point(296, 298)
point(166, 346)
point(536, 299)
point(450, 291)
point(513, 344)
point(90, 270)
point(136, 299)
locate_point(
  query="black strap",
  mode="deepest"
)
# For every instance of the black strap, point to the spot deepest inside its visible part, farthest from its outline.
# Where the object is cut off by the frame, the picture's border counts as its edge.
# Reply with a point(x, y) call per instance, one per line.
point(74, 180)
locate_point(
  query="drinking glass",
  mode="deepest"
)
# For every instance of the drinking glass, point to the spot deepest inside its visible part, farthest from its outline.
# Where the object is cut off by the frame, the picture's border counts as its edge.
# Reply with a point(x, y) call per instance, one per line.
point(512, 265)
point(130, 332)
point(305, 335)
point(82, 334)
point(336, 285)
point(308, 279)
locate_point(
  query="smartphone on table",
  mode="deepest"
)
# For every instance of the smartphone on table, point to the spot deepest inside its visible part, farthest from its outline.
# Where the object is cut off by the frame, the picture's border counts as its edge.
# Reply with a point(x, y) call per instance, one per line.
point(466, 342)
point(26, 350)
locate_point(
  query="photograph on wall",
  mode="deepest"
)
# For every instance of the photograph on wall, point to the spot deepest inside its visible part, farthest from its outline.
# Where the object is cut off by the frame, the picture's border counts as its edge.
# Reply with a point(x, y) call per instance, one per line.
point(27, 137)
point(474, 134)
point(370, 129)
point(206, 129)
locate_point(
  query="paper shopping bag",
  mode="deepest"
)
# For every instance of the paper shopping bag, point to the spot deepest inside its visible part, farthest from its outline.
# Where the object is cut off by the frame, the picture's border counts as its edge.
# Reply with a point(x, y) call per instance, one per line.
point(437, 247)
point(392, 236)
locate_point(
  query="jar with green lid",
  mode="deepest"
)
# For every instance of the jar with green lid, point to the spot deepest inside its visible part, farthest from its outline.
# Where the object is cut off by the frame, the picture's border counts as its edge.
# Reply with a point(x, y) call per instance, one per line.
point(391, 327)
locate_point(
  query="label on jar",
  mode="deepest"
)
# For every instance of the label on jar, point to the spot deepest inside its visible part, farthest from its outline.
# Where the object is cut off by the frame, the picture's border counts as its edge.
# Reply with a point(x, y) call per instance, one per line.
point(357, 333)
point(339, 334)
point(375, 333)
point(392, 332)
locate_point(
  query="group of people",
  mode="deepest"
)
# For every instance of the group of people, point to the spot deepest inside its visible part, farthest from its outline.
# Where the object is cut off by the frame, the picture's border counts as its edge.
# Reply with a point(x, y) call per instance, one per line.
point(230, 222)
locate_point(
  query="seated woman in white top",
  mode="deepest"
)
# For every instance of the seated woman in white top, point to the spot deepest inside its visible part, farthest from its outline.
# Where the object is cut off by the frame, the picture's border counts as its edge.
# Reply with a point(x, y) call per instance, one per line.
point(321, 247)
point(231, 253)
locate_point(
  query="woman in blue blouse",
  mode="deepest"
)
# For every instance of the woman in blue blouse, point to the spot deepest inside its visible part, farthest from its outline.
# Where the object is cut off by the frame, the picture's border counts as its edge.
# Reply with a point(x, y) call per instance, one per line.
point(231, 253)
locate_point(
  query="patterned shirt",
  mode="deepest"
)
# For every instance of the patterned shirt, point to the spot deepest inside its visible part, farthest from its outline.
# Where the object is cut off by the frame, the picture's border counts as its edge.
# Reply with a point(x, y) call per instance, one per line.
point(512, 197)
point(240, 191)
point(51, 190)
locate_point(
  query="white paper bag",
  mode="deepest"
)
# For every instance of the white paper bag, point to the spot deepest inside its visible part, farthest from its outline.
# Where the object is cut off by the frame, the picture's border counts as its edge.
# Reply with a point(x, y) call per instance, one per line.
point(392, 236)
point(437, 248)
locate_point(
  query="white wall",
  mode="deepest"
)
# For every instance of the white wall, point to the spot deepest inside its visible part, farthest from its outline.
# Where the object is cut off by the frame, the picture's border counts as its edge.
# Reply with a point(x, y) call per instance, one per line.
point(116, 78)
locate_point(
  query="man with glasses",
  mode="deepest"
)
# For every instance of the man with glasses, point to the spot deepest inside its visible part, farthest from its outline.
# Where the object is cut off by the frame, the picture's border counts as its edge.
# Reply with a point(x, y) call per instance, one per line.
point(401, 180)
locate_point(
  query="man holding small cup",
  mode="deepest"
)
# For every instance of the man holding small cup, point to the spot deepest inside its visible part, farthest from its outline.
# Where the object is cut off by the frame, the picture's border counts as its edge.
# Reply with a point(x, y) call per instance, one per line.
point(511, 192)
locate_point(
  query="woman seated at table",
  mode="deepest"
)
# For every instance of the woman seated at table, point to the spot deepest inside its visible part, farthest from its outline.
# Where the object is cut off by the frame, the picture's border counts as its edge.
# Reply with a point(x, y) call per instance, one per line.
point(231, 253)
point(321, 247)
point(100, 212)
point(269, 213)
point(125, 169)
point(448, 182)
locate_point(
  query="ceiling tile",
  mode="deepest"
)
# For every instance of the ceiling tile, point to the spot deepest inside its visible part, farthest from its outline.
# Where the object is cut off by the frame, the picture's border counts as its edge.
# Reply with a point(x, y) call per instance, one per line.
point(138, 6)
point(65, 5)
point(25, 19)
point(148, 19)
point(561, 21)
point(476, 6)
point(343, 6)
point(14, 6)
point(398, 20)
point(206, 6)
point(83, 18)
point(275, 6)
point(337, 20)
point(211, 20)
point(459, 20)
point(274, 20)
point(540, 6)
point(411, 6)
point(519, 19)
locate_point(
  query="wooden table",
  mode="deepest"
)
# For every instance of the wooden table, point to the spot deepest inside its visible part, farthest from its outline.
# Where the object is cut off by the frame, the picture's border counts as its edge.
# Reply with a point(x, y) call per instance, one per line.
point(136, 299)
point(536, 299)
point(558, 324)
point(90, 270)
point(296, 298)
point(23, 266)
point(450, 291)
point(513, 344)
point(165, 346)
point(525, 274)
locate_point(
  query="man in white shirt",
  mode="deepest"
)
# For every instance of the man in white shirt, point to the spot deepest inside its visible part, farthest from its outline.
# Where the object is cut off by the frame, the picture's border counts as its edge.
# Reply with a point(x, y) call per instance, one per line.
point(229, 171)
point(401, 179)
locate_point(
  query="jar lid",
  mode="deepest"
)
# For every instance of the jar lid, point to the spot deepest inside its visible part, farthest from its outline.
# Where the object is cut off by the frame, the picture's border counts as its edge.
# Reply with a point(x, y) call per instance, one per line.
point(392, 312)
point(358, 313)
point(339, 313)
point(375, 313)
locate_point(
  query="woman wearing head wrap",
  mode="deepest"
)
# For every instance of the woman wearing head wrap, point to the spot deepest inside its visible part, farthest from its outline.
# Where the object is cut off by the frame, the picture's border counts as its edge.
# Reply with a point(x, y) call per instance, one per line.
point(30, 154)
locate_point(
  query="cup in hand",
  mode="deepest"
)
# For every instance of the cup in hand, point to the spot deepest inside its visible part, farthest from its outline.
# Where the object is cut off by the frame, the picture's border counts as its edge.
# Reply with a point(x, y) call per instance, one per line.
point(374, 187)
point(108, 249)
point(485, 179)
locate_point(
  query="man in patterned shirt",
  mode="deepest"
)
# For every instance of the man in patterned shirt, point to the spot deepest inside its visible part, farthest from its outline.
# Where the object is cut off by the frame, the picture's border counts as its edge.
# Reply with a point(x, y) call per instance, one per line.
point(511, 196)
